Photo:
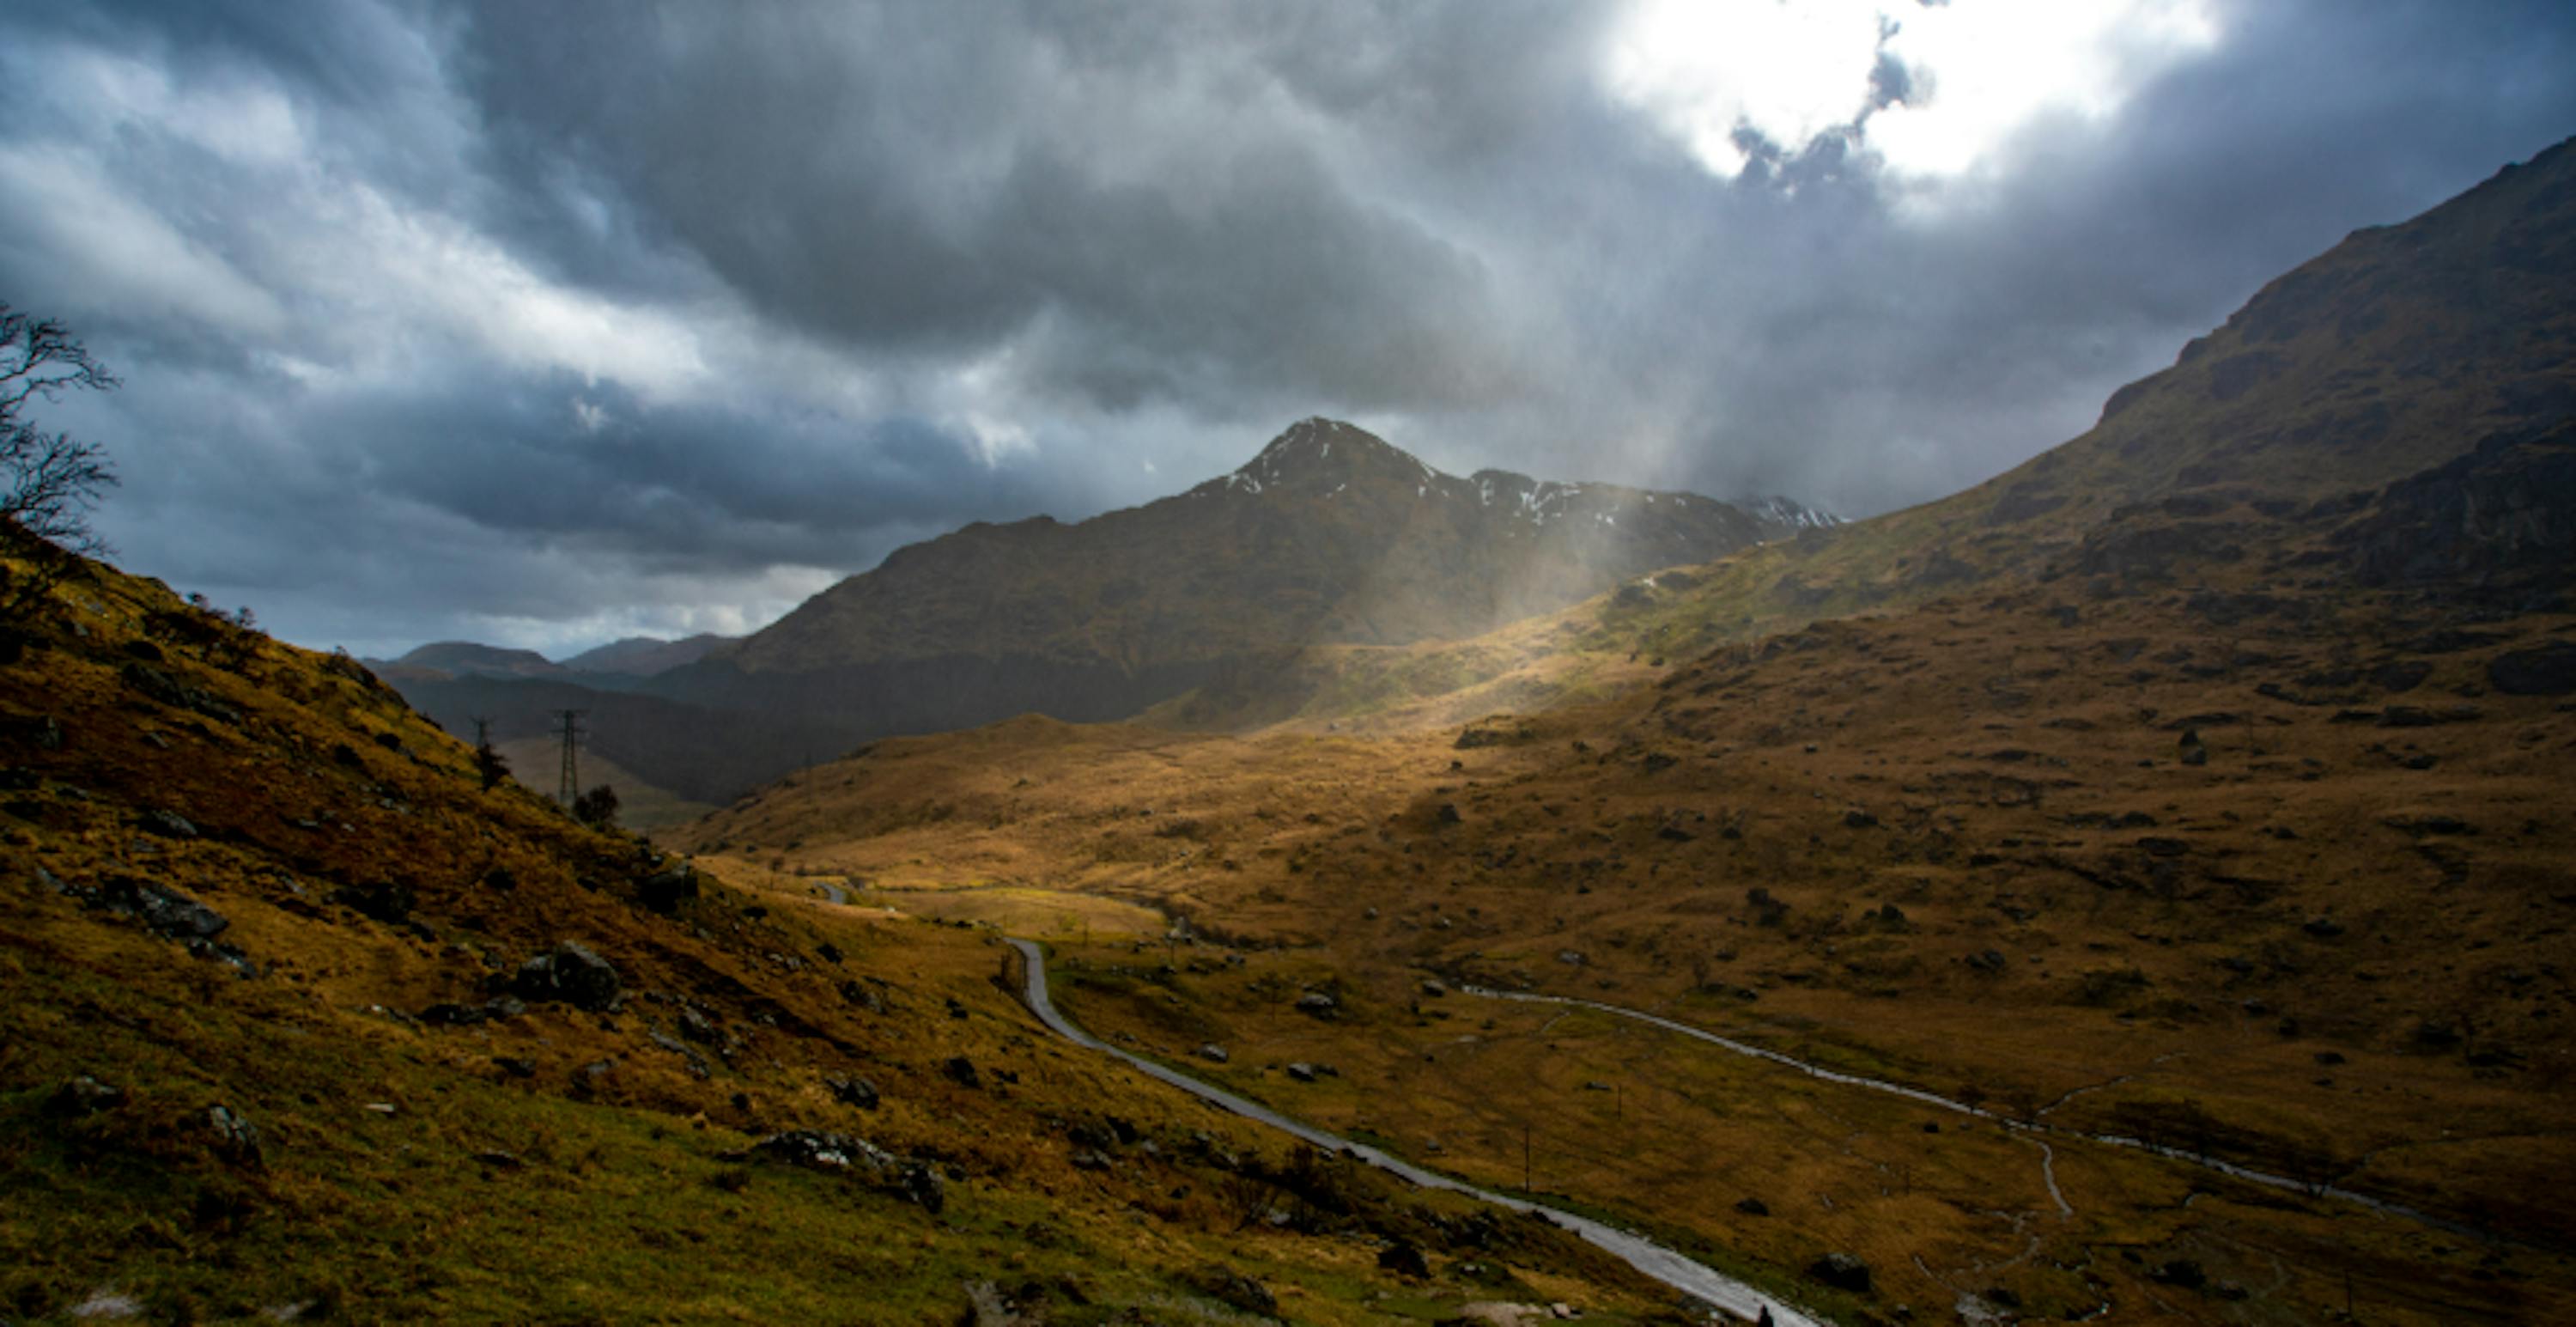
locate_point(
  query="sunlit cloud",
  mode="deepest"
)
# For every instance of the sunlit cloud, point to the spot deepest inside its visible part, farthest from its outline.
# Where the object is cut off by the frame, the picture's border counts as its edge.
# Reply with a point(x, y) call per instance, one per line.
point(1930, 91)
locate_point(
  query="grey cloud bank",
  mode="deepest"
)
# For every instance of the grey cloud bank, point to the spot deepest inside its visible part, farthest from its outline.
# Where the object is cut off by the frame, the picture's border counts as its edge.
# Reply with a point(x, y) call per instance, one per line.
point(549, 324)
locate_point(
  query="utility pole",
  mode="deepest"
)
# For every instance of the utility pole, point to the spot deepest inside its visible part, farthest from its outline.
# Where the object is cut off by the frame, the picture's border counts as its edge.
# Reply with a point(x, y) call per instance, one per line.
point(568, 727)
point(482, 731)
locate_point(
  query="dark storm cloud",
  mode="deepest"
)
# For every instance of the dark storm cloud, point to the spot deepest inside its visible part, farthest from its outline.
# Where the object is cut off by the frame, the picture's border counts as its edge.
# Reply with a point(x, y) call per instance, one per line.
point(553, 322)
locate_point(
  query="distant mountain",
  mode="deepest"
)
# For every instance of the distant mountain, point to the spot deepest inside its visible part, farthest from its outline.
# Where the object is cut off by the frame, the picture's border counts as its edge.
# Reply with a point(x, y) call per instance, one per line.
point(458, 658)
point(644, 656)
point(1329, 536)
point(2399, 349)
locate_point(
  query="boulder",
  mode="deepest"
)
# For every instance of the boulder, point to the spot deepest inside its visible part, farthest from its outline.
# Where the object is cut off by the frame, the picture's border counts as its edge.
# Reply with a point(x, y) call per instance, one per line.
point(1842, 1271)
point(236, 1139)
point(168, 824)
point(1316, 1004)
point(1212, 1051)
point(1753, 1207)
point(853, 1091)
point(1404, 1259)
point(81, 1096)
point(665, 891)
point(571, 973)
point(961, 1071)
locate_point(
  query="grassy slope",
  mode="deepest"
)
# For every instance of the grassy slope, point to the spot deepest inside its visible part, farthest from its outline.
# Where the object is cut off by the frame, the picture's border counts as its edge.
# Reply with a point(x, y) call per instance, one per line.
point(488, 1172)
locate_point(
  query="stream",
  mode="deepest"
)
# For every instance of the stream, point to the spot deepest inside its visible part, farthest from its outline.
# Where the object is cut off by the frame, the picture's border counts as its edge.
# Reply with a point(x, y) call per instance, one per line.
point(1645, 1255)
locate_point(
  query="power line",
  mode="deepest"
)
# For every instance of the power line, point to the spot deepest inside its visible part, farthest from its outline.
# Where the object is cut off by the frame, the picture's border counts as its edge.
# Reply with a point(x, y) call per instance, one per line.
point(568, 727)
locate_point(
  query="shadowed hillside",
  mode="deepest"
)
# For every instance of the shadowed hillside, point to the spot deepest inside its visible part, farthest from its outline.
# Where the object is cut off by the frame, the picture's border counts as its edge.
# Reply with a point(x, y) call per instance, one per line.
point(304, 1023)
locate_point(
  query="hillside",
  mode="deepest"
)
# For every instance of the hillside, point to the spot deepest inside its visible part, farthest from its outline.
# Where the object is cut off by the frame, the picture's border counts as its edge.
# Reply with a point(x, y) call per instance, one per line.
point(1328, 538)
point(305, 1024)
point(645, 656)
point(2396, 350)
point(458, 658)
point(2199, 784)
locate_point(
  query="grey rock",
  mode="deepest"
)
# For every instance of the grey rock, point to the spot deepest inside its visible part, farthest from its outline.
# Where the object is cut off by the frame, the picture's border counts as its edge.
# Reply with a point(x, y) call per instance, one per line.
point(1212, 1051)
point(665, 891)
point(853, 1091)
point(571, 973)
point(168, 824)
point(1842, 1271)
point(82, 1096)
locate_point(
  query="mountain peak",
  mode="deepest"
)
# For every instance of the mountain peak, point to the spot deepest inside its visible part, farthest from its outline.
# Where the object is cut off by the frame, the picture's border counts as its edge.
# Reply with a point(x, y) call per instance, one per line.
point(1330, 452)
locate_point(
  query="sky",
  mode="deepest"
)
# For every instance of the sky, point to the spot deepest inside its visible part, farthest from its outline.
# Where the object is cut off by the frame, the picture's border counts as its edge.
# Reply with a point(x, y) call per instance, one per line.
point(548, 324)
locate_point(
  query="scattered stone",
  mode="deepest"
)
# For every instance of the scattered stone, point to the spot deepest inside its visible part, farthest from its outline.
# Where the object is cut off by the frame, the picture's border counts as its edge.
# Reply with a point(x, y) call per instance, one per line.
point(168, 824)
point(1316, 1004)
point(698, 1027)
point(1089, 1159)
point(107, 1304)
point(1753, 1207)
point(961, 1070)
point(1212, 1051)
point(2323, 928)
point(1448, 814)
point(499, 1160)
point(572, 973)
point(163, 910)
point(922, 1185)
point(514, 1066)
point(1989, 961)
point(2194, 751)
point(236, 1139)
point(1433, 987)
point(1842, 1271)
point(2163, 847)
point(813, 1149)
point(1572, 958)
point(82, 1096)
point(1859, 819)
point(698, 1066)
point(853, 1091)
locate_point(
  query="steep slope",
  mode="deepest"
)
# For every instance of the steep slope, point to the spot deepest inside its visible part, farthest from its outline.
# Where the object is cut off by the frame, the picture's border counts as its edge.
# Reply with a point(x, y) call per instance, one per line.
point(306, 1024)
point(1329, 535)
point(2395, 351)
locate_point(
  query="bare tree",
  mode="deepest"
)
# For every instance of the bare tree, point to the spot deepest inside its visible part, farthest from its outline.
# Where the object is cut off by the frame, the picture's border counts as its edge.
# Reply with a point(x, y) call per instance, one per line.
point(49, 481)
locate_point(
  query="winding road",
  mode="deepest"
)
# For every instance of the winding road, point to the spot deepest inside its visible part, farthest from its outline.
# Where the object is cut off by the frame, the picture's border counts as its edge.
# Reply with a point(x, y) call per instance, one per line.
point(1645, 1255)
